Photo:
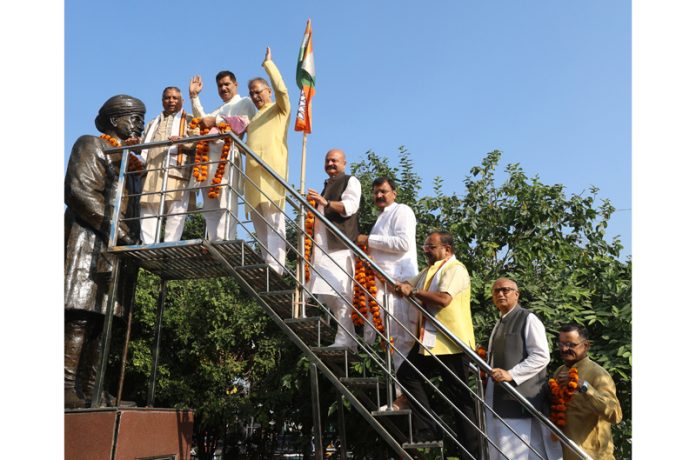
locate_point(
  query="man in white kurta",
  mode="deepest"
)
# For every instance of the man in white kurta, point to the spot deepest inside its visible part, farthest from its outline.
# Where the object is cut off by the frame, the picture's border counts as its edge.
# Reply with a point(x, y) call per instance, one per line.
point(392, 245)
point(333, 264)
point(172, 123)
point(221, 213)
point(527, 374)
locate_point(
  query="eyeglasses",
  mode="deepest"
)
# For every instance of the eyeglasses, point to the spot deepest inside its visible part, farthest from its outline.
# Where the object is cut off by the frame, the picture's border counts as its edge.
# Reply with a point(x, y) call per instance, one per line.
point(504, 290)
point(430, 246)
point(568, 344)
point(257, 92)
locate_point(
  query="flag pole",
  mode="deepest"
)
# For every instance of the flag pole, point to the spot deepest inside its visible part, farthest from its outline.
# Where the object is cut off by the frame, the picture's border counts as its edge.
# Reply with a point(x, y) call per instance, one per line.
point(304, 162)
point(299, 293)
point(305, 81)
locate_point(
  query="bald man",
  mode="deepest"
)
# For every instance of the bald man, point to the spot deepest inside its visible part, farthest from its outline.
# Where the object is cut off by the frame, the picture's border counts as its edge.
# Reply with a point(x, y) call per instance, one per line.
point(333, 263)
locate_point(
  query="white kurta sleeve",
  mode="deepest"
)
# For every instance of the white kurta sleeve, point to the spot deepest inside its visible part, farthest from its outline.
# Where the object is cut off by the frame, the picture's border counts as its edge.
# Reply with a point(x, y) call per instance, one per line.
point(197, 107)
point(351, 197)
point(537, 351)
point(402, 233)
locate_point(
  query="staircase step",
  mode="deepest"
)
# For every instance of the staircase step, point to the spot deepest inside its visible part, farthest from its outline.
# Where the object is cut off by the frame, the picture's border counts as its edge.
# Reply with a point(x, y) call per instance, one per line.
point(361, 382)
point(238, 252)
point(334, 353)
point(423, 445)
point(261, 278)
point(310, 329)
point(388, 413)
point(280, 301)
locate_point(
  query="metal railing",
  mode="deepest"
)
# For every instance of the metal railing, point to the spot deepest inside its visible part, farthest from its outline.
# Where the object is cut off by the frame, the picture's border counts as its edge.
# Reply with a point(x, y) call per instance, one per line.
point(384, 361)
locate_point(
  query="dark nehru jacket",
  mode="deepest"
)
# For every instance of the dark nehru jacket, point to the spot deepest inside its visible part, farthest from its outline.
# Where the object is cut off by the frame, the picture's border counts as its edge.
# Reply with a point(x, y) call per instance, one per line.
point(333, 189)
point(508, 349)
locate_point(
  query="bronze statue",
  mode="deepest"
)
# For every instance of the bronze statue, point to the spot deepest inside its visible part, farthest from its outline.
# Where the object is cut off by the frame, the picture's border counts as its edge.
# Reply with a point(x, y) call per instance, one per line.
point(90, 187)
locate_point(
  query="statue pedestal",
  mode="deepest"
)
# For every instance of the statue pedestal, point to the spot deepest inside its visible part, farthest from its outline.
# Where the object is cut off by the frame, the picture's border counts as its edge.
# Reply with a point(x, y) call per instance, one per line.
point(120, 434)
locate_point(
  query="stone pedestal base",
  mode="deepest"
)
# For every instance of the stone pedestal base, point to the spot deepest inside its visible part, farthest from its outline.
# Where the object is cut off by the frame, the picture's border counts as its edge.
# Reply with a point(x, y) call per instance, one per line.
point(120, 434)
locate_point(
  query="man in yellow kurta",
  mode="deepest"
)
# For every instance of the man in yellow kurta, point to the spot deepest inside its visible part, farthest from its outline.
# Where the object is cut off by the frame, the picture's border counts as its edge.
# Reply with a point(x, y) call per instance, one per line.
point(444, 290)
point(594, 406)
point(267, 136)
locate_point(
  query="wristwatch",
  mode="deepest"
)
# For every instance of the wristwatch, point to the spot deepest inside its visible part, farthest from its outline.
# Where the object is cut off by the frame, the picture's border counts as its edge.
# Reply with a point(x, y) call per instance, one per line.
point(583, 388)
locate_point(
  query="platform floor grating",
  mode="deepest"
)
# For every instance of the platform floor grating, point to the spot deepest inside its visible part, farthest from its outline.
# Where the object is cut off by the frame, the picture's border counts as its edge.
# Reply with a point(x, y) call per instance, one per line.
point(192, 259)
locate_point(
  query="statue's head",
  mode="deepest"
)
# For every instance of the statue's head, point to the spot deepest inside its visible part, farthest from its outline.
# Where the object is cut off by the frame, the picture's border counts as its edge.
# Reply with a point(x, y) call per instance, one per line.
point(122, 116)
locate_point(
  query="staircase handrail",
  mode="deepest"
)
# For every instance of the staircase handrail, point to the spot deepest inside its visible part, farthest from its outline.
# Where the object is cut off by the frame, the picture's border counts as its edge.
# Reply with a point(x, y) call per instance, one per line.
point(471, 354)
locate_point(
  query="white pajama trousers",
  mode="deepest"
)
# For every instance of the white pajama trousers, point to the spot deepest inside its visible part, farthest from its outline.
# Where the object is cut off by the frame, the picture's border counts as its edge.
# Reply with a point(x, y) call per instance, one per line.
point(173, 225)
point(269, 225)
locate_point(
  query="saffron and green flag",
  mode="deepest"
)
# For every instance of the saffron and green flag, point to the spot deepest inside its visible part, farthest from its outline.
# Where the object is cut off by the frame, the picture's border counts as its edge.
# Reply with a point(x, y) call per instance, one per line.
point(306, 76)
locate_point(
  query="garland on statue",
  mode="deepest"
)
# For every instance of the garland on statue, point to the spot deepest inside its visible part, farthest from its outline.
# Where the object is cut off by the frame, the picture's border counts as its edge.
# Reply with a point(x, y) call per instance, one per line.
point(561, 396)
point(133, 163)
point(200, 161)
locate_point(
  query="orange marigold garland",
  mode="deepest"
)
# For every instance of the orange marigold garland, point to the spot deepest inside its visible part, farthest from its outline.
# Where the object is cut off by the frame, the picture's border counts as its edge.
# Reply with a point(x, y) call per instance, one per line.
point(483, 354)
point(359, 296)
point(366, 282)
point(200, 166)
point(133, 163)
point(561, 396)
point(200, 171)
point(309, 234)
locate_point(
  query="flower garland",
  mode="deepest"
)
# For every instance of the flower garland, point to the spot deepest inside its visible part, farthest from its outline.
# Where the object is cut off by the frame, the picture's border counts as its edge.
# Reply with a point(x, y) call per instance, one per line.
point(483, 354)
point(309, 234)
point(366, 282)
point(133, 163)
point(561, 396)
point(200, 166)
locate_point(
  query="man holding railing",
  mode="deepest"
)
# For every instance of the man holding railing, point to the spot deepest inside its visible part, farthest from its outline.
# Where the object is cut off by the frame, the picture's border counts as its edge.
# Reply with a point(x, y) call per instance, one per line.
point(333, 263)
point(518, 353)
point(392, 245)
point(268, 138)
point(171, 124)
point(234, 108)
point(444, 290)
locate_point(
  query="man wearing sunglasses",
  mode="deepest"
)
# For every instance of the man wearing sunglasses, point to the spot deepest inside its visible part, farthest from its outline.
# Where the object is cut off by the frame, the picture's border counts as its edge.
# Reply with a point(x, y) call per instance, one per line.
point(518, 353)
point(594, 406)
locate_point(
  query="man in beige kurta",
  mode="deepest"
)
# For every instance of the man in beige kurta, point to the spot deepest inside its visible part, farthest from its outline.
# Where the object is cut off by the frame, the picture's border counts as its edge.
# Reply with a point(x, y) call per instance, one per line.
point(172, 123)
point(268, 138)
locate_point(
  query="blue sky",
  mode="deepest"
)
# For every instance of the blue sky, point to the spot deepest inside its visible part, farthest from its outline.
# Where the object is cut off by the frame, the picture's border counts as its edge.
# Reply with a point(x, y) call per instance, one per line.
point(546, 82)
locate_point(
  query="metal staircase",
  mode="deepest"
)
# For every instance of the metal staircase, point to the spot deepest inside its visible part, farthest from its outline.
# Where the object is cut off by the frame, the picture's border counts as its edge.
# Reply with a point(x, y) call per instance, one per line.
point(301, 316)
